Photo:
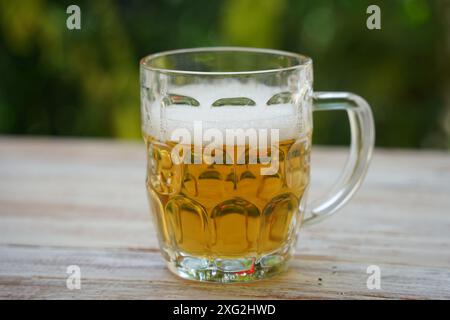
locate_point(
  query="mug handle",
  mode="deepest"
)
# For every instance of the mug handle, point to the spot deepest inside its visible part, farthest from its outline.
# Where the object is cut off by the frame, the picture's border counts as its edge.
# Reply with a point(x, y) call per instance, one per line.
point(362, 141)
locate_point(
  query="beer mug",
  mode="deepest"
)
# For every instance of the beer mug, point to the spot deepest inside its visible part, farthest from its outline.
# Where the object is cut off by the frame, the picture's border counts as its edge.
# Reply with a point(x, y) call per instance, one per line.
point(228, 140)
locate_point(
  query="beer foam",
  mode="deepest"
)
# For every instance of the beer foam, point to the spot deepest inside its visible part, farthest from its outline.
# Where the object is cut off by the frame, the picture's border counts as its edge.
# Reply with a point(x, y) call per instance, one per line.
point(164, 118)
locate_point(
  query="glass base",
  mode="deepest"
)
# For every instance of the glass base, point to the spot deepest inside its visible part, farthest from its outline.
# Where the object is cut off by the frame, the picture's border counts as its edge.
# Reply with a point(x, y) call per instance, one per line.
point(229, 270)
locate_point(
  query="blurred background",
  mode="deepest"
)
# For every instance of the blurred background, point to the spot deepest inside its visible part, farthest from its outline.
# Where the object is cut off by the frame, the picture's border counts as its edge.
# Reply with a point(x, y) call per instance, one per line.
point(60, 82)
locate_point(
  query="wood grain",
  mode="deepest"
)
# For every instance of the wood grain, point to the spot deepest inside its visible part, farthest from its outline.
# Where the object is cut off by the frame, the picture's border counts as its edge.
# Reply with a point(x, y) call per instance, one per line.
point(82, 202)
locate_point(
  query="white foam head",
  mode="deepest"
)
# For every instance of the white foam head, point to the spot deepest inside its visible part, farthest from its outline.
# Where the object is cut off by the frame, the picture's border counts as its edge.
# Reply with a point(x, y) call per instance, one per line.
point(288, 118)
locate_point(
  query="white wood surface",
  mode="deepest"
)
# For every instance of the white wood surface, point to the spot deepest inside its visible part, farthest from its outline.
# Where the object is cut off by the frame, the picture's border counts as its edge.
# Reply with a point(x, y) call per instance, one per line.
point(82, 202)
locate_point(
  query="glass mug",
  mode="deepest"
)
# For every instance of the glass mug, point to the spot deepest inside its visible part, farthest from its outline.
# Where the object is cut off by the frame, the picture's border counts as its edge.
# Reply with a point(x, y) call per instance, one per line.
point(228, 137)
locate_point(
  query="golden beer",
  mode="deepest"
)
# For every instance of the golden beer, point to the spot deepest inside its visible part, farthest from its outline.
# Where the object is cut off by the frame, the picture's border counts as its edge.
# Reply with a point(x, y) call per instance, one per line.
point(227, 210)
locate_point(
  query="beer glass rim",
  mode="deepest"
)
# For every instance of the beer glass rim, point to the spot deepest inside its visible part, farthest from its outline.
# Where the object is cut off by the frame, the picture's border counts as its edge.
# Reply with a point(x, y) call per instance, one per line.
point(300, 61)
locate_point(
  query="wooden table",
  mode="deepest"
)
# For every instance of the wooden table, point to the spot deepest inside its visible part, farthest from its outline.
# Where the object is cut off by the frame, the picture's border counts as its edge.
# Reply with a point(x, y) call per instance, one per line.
point(82, 202)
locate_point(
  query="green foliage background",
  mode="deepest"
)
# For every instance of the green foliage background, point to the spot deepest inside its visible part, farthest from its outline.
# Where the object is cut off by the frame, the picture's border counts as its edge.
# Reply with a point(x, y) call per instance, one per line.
point(54, 81)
